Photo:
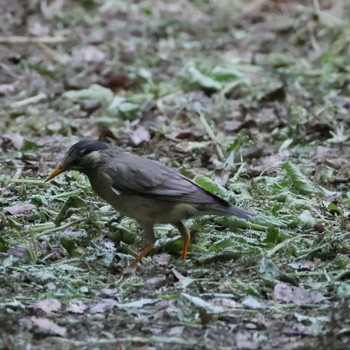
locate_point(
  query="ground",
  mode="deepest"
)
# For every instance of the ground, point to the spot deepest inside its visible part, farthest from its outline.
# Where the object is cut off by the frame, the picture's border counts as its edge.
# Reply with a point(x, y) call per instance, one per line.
point(251, 99)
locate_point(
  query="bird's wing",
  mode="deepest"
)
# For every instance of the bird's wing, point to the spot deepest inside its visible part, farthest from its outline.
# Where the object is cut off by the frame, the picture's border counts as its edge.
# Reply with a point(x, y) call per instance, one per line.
point(144, 177)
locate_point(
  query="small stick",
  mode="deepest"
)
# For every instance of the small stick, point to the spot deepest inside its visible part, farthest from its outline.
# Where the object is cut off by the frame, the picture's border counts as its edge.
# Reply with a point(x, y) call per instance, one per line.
point(32, 40)
point(211, 135)
point(28, 181)
point(29, 100)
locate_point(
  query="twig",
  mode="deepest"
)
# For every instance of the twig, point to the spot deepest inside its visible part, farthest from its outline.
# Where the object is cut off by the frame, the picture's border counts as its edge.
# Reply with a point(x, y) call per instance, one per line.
point(283, 244)
point(27, 181)
point(211, 135)
point(32, 40)
point(29, 100)
point(65, 194)
point(59, 228)
point(238, 173)
point(131, 339)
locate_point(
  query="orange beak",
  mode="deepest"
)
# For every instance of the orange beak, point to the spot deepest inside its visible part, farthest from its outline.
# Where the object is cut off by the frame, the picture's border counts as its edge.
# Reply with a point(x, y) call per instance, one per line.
point(58, 170)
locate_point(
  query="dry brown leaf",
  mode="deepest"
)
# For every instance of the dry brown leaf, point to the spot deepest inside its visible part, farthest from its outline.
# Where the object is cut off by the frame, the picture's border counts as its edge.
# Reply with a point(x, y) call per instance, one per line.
point(42, 168)
point(155, 283)
point(296, 295)
point(302, 265)
point(19, 210)
point(7, 89)
point(103, 306)
point(245, 340)
point(76, 307)
point(48, 306)
point(42, 325)
point(139, 135)
point(162, 259)
point(16, 140)
point(91, 54)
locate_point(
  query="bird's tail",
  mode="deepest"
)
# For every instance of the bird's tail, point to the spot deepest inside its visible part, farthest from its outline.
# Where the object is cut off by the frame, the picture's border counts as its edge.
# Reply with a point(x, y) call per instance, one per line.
point(239, 212)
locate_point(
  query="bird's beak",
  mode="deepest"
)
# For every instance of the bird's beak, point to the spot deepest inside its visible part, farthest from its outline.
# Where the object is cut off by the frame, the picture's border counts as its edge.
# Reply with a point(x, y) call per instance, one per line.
point(58, 170)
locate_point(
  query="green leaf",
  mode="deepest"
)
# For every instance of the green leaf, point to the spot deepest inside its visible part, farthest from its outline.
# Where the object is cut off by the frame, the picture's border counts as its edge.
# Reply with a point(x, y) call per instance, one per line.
point(199, 302)
point(333, 208)
point(94, 92)
point(69, 245)
point(274, 236)
point(210, 186)
point(251, 303)
point(138, 304)
point(193, 76)
point(307, 219)
point(120, 106)
point(299, 180)
point(72, 205)
point(29, 145)
point(269, 269)
point(227, 74)
point(343, 290)
point(222, 244)
point(341, 261)
point(44, 71)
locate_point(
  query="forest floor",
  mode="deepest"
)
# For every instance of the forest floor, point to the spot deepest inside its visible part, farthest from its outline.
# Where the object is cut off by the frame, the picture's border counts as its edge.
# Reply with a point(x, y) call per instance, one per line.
point(251, 99)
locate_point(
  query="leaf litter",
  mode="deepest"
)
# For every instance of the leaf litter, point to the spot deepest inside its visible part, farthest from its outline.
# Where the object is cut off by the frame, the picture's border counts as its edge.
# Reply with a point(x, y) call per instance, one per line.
point(249, 99)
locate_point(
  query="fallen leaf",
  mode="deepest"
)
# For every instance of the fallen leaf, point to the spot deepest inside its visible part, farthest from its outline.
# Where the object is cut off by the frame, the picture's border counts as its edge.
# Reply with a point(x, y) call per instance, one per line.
point(103, 306)
point(162, 259)
point(117, 81)
point(90, 54)
point(42, 168)
point(296, 295)
point(251, 303)
point(199, 302)
point(205, 317)
point(21, 251)
point(112, 293)
point(221, 176)
point(304, 265)
point(189, 146)
point(16, 140)
point(138, 304)
point(42, 325)
point(48, 306)
point(178, 275)
point(245, 341)
point(50, 9)
point(51, 286)
point(35, 27)
point(155, 283)
point(100, 132)
point(7, 89)
point(76, 307)
point(176, 331)
point(90, 106)
point(196, 78)
point(93, 92)
point(232, 125)
point(139, 135)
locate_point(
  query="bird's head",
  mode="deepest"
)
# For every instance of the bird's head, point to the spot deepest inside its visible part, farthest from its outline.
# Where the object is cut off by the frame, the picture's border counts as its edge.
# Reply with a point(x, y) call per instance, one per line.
point(83, 156)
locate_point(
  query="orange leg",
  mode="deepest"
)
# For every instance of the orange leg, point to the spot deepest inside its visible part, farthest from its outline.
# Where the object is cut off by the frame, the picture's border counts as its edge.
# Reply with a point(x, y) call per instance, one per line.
point(186, 239)
point(186, 236)
point(141, 255)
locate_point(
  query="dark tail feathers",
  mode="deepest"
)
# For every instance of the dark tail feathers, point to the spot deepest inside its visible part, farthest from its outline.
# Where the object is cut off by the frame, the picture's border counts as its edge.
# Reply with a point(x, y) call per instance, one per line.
point(232, 210)
point(241, 213)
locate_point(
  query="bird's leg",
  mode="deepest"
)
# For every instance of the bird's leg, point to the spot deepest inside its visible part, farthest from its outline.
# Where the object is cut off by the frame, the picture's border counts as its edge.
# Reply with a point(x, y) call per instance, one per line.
point(186, 236)
point(150, 238)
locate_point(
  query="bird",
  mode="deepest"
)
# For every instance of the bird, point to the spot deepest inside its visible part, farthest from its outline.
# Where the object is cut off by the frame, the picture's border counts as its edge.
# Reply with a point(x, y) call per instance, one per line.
point(146, 190)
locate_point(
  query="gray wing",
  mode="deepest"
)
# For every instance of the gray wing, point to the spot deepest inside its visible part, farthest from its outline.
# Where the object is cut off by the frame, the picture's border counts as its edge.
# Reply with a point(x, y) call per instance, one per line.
point(140, 176)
